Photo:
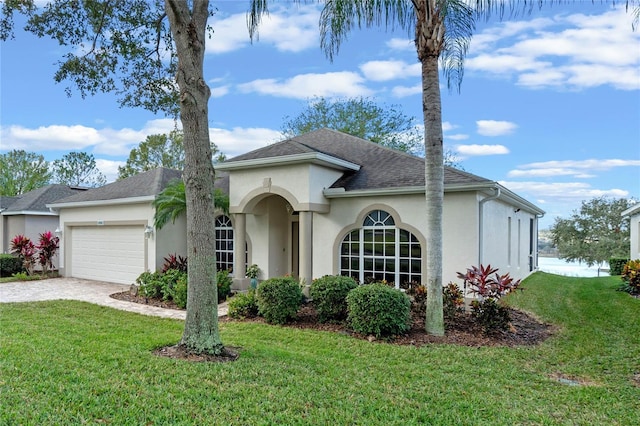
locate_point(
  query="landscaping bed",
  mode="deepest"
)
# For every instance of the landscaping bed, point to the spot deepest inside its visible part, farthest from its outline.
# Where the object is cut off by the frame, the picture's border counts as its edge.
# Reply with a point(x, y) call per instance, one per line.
point(525, 330)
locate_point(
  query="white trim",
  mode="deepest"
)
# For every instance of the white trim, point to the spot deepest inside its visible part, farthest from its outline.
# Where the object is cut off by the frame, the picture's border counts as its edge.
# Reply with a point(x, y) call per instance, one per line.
point(632, 210)
point(27, 212)
point(311, 157)
point(505, 194)
point(130, 200)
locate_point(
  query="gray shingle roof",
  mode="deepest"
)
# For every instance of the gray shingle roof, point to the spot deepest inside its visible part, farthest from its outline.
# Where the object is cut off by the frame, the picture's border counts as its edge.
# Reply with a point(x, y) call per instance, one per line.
point(37, 199)
point(380, 167)
point(144, 184)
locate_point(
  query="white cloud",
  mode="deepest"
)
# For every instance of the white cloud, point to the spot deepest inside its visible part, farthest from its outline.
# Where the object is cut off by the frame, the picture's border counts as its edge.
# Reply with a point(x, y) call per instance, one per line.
point(404, 91)
point(240, 140)
point(581, 169)
point(557, 191)
point(457, 137)
point(286, 29)
point(566, 51)
point(390, 70)
point(477, 150)
point(220, 91)
point(401, 44)
point(305, 86)
point(495, 128)
point(109, 168)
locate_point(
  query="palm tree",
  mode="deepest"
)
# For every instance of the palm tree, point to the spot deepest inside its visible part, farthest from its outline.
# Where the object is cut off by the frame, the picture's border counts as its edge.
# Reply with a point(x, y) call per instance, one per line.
point(171, 203)
point(442, 32)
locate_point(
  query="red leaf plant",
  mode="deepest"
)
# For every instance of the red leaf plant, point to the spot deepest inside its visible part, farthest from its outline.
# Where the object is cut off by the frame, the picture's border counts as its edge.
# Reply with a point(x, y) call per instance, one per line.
point(22, 247)
point(47, 247)
point(479, 280)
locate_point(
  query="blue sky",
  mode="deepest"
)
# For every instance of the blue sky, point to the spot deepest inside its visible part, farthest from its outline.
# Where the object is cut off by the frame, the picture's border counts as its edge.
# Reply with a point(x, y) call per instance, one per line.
point(549, 104)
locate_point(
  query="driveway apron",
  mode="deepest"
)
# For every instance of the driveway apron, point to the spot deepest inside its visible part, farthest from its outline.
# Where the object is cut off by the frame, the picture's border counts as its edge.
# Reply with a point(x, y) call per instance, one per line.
point(97, 292)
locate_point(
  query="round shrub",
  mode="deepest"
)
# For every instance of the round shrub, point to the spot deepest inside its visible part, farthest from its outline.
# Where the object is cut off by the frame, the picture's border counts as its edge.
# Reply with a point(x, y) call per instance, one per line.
point(243, 305)
point(379, 310)
point(329, 294)
point(224, 285)
point(279, 299)
point(180, 292)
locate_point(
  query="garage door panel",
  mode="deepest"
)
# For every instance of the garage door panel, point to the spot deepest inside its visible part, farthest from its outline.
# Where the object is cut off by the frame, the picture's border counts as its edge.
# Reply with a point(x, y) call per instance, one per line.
point(108, 253)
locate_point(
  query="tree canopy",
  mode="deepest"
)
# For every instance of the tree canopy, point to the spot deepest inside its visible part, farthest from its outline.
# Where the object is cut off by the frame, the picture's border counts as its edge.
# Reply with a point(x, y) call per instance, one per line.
point(78, 169)
point(22, 171)
point(161, 150)
point(594, 233)
point(361, 117)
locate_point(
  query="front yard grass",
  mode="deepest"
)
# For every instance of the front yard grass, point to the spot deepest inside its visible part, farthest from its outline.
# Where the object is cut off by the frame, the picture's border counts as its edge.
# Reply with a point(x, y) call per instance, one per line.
point(66, 362)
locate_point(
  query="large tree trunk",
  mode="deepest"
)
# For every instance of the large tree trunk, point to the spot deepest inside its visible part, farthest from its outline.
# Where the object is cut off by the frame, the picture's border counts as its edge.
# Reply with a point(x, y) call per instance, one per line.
point(429, 34)
point(201, 333)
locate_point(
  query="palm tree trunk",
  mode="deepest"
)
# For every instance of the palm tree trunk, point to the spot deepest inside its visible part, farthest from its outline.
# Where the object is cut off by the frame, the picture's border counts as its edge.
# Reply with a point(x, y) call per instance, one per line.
point(429, 32)
point(201, 333)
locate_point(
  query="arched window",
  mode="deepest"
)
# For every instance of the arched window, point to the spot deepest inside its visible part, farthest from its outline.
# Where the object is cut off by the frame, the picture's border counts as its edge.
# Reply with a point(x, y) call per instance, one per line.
point(381, 251)
point(224, 244)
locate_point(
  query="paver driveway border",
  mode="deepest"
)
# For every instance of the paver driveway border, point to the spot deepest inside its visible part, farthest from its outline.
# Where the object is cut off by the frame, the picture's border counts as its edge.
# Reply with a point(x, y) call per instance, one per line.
point(84, 290)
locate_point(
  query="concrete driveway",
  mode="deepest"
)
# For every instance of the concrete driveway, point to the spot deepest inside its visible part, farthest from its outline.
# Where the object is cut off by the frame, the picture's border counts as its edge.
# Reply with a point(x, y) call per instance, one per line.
point(85, 290)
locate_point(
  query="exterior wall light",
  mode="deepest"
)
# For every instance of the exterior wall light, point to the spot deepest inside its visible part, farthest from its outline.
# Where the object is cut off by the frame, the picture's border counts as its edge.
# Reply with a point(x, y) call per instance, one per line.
point(58, 232)
point(148, 232)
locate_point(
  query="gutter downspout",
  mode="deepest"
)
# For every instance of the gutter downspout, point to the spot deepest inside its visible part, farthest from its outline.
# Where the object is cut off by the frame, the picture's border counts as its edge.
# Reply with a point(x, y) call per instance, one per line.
point(481, 222)
point(535, 264)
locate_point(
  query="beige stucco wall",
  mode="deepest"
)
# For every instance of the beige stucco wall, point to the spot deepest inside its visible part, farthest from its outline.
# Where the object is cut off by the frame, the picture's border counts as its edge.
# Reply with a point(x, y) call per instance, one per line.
point(506, 238)
point(31, 226)
point(634, 228)
point(301, 185)
point(171, 239)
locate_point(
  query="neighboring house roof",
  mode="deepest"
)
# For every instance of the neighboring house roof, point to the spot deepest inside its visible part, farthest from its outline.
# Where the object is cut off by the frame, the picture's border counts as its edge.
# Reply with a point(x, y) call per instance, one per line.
point(36, 201)
point(141, 186)
point(5, 202)
point(380, 167)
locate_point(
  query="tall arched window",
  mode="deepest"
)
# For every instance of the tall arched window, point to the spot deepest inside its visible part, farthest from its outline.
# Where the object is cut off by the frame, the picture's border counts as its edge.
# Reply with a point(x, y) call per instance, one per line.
point(224, 244)
point(381, 251)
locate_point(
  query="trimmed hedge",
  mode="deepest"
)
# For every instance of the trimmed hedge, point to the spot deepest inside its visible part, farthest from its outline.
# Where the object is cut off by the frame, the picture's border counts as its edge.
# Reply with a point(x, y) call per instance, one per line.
point(329, 294)
point(279, 299)
point(379, 310)
point(9, 265)
point(616, 265)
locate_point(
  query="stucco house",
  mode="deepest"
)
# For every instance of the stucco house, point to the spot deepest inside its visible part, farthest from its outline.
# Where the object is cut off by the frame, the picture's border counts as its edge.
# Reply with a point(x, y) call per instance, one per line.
point(27, 214)
point(321, 203)
point(633, 213)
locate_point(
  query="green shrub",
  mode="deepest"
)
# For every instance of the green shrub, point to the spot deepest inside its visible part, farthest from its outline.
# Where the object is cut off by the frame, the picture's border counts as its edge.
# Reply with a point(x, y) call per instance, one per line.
point(492, 316)
point(452, 300)
point(224, 285)
point(279, 299)
point(616, 264)
point(150, 284)
point(21, 276)
point(180, 292)
point(169, 280)
point(379, 310)
point(329, 294)
point(9, 265)
point(631, 277)
point(243, 305)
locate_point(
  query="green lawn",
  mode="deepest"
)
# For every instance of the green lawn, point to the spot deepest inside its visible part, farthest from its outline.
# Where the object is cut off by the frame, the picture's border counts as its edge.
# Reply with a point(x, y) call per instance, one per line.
point(69, 362)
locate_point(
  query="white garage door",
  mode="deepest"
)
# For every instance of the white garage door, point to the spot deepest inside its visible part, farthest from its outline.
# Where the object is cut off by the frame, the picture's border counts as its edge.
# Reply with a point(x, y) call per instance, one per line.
point(107, 253)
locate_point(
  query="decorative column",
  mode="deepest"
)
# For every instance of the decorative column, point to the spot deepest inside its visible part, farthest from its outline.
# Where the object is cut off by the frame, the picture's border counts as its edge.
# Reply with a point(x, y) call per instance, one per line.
point(305, 244)
point(239, 245)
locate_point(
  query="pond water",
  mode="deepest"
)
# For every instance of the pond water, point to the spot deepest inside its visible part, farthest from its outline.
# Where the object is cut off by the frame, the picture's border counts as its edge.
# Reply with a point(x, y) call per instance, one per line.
point(557, 266)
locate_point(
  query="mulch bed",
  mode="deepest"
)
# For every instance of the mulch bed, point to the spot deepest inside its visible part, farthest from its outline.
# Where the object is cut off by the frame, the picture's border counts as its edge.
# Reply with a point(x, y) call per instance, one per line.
point(525, 329)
